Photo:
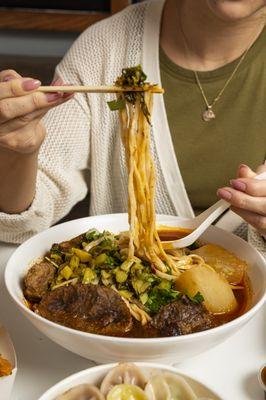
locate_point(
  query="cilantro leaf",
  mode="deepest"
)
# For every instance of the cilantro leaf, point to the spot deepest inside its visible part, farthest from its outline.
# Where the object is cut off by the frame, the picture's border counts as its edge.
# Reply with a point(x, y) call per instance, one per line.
point(160, 297)
point(197, 298)
point(115, 105)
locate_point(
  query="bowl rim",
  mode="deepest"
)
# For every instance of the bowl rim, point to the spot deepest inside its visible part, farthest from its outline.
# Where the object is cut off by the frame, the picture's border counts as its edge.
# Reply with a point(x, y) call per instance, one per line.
point(182, 338)
point(140, 364)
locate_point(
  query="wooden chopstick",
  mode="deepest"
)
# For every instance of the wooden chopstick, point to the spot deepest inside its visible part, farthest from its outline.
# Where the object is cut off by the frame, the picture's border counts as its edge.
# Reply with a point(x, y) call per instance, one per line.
point(98, 89)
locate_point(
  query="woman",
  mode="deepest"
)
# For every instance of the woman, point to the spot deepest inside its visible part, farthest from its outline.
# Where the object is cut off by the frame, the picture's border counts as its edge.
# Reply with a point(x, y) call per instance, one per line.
point(46, 166)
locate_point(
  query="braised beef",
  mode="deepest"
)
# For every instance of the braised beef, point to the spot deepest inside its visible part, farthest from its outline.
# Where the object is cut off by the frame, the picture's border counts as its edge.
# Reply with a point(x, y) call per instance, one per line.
point(182, 317)
point(67, 245)
point(89, 308)
point(38, 280)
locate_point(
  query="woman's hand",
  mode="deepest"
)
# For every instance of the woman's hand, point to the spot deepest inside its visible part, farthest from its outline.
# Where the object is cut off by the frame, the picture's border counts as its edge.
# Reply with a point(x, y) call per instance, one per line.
point(248, 197)
point(21, 111)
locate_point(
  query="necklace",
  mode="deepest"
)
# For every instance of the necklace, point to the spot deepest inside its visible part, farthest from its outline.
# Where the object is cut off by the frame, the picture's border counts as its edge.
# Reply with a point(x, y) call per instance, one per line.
point(208, 114)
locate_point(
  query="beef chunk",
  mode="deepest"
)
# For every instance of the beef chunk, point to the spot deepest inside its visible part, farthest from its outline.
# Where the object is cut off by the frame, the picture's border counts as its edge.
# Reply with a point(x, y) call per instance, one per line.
point(182, 317)
point(67, 245)
point(38, 280)
point(89, 308)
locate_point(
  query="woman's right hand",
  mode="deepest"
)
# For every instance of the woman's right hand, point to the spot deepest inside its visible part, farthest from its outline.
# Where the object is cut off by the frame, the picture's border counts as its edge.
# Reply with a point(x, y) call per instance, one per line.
point(21, 111)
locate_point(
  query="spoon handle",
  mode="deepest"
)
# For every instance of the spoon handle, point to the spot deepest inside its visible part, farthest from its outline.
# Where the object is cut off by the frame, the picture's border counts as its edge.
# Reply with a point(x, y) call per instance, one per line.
point(214, 211)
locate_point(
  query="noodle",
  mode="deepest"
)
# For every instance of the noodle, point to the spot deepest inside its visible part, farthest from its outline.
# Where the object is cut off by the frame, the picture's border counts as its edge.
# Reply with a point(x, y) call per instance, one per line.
point(144, 241)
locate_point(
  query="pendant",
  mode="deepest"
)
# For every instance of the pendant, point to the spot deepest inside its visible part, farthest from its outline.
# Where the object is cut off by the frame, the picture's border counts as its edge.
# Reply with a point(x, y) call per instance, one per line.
point(208, 114)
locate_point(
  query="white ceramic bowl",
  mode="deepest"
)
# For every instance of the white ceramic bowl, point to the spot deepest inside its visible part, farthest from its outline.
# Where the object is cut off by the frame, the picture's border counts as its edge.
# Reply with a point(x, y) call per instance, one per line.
point(104, 349)
point(96, 374)
point(8, 352)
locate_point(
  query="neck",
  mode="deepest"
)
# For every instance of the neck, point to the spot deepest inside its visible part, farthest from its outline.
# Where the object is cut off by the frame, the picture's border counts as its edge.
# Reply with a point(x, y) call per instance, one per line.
point(194, 38)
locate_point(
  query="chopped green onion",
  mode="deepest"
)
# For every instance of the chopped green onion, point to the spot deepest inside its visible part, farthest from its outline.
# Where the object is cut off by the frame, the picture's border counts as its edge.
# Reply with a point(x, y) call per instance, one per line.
point(52, 262)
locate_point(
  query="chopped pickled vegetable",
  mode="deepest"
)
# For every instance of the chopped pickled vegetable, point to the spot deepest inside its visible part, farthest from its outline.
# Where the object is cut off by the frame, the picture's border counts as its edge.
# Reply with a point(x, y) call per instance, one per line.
point(74, 262)
point(120, 276)
point(66, 272)
point(101, 259)
point(126, 294)
point(144, 298)
point(82, 255)
point(89, 276)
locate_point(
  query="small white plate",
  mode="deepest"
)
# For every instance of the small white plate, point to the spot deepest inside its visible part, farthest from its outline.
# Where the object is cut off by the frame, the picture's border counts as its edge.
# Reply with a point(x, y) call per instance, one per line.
point(96, 374)
point(7, 351)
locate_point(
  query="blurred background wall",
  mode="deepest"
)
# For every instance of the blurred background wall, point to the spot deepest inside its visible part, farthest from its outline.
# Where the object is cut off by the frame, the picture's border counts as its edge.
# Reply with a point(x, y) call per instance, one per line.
point(35, 35)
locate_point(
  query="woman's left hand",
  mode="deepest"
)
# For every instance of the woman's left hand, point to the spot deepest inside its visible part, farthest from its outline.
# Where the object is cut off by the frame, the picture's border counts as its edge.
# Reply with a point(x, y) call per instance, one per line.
point(247, 197)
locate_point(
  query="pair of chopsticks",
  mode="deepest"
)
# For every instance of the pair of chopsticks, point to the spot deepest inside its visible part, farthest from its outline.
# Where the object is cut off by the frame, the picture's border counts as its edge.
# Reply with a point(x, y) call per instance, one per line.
point(97, 89)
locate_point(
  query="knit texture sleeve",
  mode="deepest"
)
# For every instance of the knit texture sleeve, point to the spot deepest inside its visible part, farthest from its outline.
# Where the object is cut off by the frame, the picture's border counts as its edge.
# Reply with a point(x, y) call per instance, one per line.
point(256, 240)
point(63, 163)
point(250, 234)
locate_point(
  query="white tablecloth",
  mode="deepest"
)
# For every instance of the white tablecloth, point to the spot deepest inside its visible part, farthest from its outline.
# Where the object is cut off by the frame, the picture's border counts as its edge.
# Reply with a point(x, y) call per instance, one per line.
point(230, 368)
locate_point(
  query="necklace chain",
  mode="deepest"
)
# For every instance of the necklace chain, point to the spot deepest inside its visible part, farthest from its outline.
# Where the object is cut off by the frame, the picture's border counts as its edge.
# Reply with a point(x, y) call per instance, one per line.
point(225, 85)
point(208, 114)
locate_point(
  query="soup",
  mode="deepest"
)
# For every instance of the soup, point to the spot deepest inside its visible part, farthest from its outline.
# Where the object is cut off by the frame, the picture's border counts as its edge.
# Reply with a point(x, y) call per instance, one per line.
point(97, 290)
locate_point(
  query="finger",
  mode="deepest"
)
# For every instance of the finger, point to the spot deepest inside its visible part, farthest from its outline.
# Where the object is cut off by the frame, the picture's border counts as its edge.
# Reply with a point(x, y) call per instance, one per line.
point(27, 140)
point(8, 74)
point(19, 106)
point(251, 186)
point(57, 82)
point(61, 83)
point(20, 122)
point(256, 220)
point(242, 200)
point(18, 87)
point(245, 172)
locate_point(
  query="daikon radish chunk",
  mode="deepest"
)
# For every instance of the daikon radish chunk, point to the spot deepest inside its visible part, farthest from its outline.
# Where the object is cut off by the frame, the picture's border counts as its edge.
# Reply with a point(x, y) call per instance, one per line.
point(218, 295)
point(224, 262)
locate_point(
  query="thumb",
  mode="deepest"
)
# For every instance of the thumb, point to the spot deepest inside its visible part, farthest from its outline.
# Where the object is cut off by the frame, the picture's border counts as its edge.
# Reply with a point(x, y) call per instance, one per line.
point(245, 172)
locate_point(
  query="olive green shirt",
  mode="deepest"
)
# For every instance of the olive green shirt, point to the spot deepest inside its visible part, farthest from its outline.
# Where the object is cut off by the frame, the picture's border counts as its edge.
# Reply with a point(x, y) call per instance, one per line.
point(209, 153)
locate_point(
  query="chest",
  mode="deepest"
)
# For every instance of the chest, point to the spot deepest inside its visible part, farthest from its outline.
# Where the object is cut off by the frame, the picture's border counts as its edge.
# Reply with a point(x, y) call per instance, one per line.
point(208, 153)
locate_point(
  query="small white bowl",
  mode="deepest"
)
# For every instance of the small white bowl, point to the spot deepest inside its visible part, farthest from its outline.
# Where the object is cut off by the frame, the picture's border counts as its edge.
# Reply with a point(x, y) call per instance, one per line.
point(262, 381)
point(106, 349)
point(95, 375)
point(7, 351)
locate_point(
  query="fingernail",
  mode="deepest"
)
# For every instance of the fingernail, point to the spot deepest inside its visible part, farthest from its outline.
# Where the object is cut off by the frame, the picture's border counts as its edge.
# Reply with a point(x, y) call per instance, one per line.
point(30, 84)
point(8, 78)
point(56, 82)
point(224, 194)
point(239, 185)
point(242, 166)
point(53, 97)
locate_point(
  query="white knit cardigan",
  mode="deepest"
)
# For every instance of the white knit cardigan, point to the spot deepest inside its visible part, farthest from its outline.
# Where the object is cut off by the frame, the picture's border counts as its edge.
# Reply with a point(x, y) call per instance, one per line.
point(83, 150)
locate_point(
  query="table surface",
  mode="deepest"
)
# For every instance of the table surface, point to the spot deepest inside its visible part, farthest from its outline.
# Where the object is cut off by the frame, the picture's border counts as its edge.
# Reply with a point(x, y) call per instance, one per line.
point(230, 368)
